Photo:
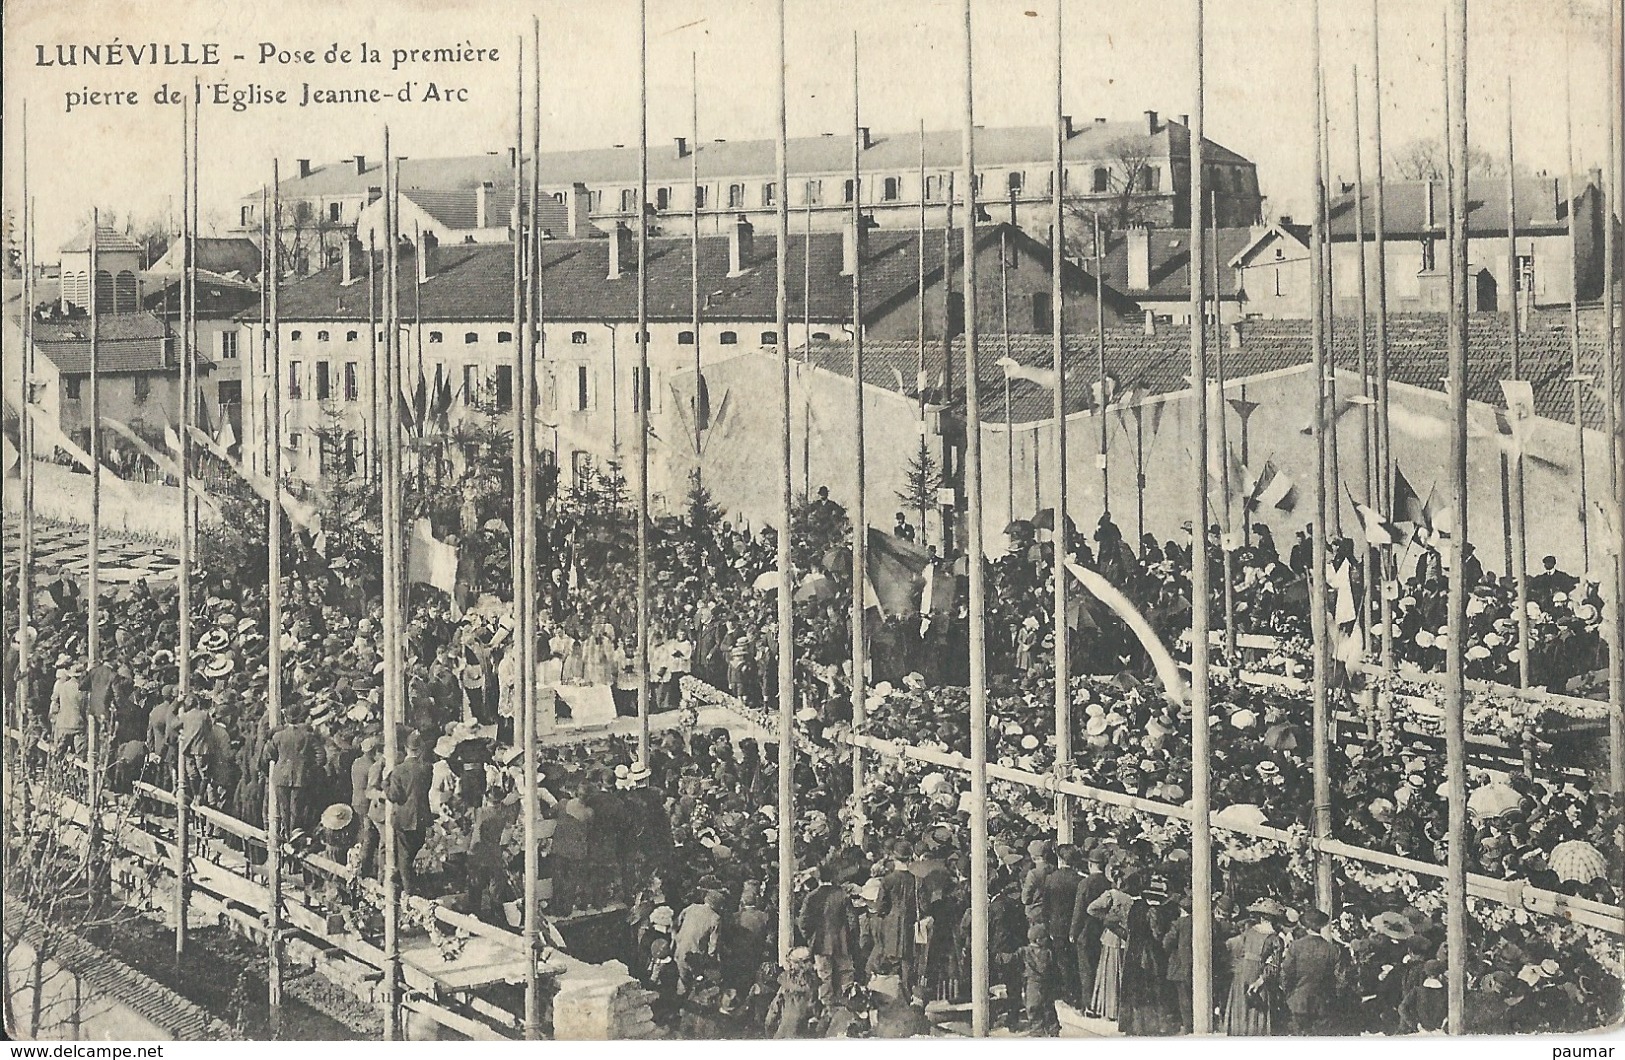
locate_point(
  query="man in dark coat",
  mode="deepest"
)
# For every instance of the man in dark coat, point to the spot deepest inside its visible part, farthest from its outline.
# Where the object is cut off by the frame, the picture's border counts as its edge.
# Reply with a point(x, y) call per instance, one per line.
point(1084, 930)
point(292, 753)
point(896, 910)
point(828, 924)
point(1309, 976)
point(1060, 895)
point(409, 790)
point(1177, 945)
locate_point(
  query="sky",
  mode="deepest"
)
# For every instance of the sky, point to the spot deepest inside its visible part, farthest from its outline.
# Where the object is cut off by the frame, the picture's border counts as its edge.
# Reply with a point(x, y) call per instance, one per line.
point(1119, 60)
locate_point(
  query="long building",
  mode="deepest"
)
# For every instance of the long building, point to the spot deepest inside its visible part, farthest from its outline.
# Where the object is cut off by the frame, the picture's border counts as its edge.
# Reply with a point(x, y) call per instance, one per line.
point(1131, 172)
point(460, 331)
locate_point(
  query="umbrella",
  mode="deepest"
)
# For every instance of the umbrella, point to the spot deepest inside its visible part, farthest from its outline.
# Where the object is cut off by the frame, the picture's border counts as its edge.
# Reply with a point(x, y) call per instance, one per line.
point(1578, 861)
point(1020, 526)
point(1242, 813)
point(1045, 520)
point(1493, 800)
point(766, 582)
point(816, 586)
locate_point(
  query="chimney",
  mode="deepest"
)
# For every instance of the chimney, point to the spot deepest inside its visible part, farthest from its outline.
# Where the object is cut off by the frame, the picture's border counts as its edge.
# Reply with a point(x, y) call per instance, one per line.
point(1100, 121)
point(1150, 323)
point(360, 164)
point(1557, 199)
point(854, 241)
point(374, 193)
point(352, 261)
point(1233, 333)
point(511, 151)
point(682, 147)
point(482, 204)
point(1150, 122)
point(425, 256)
point(740, 238)
point(304, 167)
point(1429, 183)
point(1185, 120)
point(1066, 126)
point(864, 138)
point(1285, 220)
point(621, 251)
point(580, 206)
point(1139, 258)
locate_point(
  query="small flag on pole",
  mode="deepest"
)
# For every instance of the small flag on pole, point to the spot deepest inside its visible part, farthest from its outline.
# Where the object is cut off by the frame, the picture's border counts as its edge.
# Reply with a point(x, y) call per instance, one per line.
point(1014, 369)
point(1520, 399)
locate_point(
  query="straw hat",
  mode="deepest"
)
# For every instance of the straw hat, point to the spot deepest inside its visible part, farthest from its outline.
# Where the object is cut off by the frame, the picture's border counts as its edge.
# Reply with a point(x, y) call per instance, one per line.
point(337, 817)
point(219, 666)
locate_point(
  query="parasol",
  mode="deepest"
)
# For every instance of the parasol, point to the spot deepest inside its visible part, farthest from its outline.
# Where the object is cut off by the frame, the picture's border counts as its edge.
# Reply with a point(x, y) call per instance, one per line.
point(1493, 800)
point(766, 582)
point(1578, 861)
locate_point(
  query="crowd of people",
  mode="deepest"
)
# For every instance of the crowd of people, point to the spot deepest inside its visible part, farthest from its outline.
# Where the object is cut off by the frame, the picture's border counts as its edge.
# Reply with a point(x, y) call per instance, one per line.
point(686, 843)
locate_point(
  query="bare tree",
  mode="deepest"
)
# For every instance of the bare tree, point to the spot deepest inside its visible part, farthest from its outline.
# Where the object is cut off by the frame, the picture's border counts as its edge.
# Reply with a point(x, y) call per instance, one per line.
point(1129, 198)
point(1424, 159)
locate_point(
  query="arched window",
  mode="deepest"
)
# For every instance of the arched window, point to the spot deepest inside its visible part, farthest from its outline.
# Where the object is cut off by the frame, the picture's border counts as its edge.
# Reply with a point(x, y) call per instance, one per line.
point(435, 336)
point(821, 335)
point(1016, 181)
point(104, 291)
point(295, 336)
point(1103, 180)
point(578, 338)
point(322, 336)
point(770, 338)
point(124, 294)
point(504, 336)
point(728, 338)
point(470, 337)
point(351, 336)
point(890, 189)
point(685, 338)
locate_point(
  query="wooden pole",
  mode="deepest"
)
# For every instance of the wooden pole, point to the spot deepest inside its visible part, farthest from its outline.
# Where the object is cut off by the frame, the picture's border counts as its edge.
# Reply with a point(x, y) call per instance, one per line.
point(1201, 763)
point(806, 342)
point(272, 328)
point(375, 451)
point(919, 367)
point(184, 648)
point(528, 659)
point(1385, 488)
point(860, 516)
point(786, 602)
point(1520, 536)
point(974, 553)
point(1060, 536)
point(1227, 527)
point(644, 389)
point(14, 713)
point(1613, 379)
point(1334, 462)
point(1368, 479)
point(1577, 383)
point(1102, 458)
point(1455, 654)
point(1009, 435)
point(1318, 607)
point(93, 606)
point(394, 676)
point(694, 256)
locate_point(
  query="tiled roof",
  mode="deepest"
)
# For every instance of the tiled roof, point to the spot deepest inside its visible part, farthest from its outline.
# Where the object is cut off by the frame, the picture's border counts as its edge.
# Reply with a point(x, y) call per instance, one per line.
point(1160, 363)
point(474, 281)
point(106, 239)
point(1542, 208)
point(218, 297)
point(458, 209)
point(126, 342)
point(1171, 262)
point(223, 255)
point(898, 152)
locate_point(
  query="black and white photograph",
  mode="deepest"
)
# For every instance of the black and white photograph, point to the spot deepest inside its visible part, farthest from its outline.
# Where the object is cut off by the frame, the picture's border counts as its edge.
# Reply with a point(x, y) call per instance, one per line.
point(671, 521)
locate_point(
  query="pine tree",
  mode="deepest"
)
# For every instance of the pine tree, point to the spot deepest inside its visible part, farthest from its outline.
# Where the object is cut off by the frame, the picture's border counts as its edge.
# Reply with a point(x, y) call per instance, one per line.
point(703, 512)
point(921, 480)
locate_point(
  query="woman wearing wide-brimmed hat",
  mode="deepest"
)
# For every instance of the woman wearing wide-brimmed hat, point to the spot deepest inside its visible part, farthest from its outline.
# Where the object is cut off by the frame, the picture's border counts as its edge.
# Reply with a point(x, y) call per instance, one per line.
point(1255, 959)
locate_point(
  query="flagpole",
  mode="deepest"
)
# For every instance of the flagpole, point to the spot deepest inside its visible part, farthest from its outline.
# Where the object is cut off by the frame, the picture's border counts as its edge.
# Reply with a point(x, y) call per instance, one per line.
point(1385, 477)
point(1455, 655)
point(93, 637)
point(25, 456)
point(1334, 493)
point(1227, 525)
point(1318, 612)
point(806, 340)
point(947, 310)
point(1576, 382)
point(1201, 764)
point(1613, 376)
point(525, 590)
point(644, 389)
point(273, 683)
point(1009, 436)
point(919, 370)
point(1059, 535)
point(374, 450)
point(694, 255)
point(974, 552)
point(394, 677)
point(1520, 536)
point(1368, 493)
point(860, 508)
point(786, 603)
point(184, 652)
point(1103, 458)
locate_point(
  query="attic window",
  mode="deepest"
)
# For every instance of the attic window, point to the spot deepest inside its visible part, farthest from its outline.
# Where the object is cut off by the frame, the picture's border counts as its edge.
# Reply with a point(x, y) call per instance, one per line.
point(820, 335)
point(578, 338)
point(471, 337)
point(295, 336)
point(504, 336)
point(728, 338)
point(685, 338)
point(1279, 254)
point(435, 336)
point(322, 336)
point(351, 336)
point(770, 338)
